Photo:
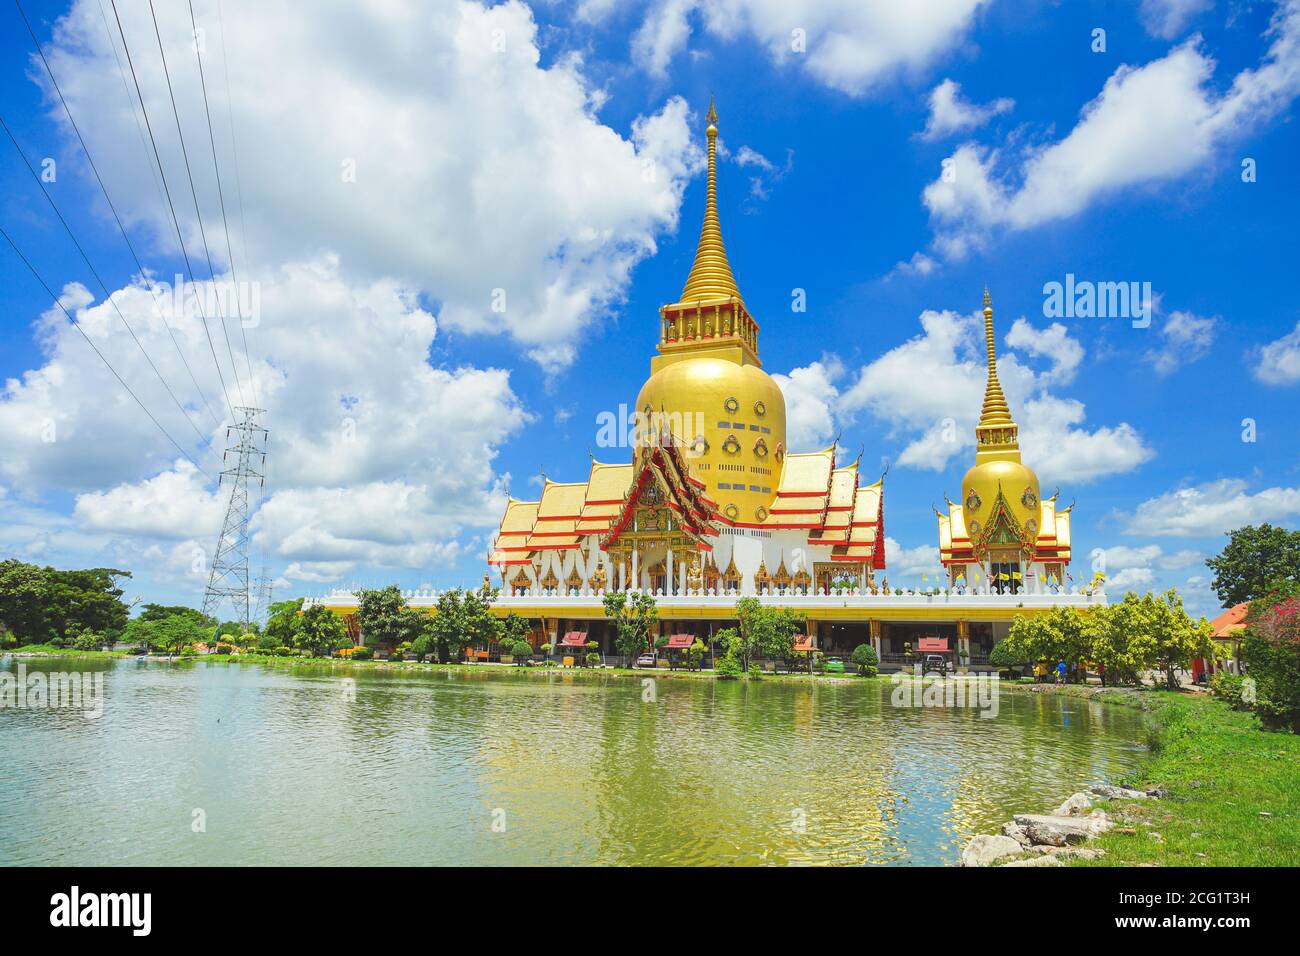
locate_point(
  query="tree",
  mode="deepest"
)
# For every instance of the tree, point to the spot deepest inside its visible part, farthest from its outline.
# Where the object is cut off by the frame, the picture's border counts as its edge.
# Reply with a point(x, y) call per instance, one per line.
point(513, 629)
point(766, 632)
point(1271, 650)
point(281, 623)
point(320, 632)
point(1007, 657)
point(379, 612)
point(727, 667)
point(864, 655)
point(634, 616)
point(1178, 638)
point(462, 619)
point(1256, 560)
point(1059, 635)
point(172, 633)
point(41, 605)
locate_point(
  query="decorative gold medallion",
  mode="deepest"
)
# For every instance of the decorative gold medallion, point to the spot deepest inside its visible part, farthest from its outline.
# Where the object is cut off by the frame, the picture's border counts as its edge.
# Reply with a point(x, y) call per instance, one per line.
point(731, 446)
point(731, 405)
point(973, 501)
point(760, 409)
point(760, 448)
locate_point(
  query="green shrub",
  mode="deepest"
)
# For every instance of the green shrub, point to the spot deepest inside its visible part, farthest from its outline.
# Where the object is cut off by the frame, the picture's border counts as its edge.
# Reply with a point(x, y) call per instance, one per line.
point(88, 641)
point(864, 655)
point(694, 654)
point(1229, 687)
point(522, 651)
point(593, 659)
point(727, 667)
point(362, 653)
point(755, 672)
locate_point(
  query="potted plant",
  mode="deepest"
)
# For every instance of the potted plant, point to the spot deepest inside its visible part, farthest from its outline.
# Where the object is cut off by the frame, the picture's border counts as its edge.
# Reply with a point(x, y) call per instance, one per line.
point(546, 649)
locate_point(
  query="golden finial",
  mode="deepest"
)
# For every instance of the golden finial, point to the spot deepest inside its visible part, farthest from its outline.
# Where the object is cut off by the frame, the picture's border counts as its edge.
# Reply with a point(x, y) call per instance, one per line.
point(995, 412)
point(711, 277)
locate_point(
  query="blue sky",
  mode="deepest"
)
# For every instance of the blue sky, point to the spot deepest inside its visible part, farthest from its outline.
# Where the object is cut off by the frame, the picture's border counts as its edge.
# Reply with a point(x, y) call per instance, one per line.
point(553, 151)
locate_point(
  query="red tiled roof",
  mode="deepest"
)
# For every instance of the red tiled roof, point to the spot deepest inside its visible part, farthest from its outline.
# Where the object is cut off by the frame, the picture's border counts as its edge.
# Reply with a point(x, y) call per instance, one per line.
point(574, 639)
point(1233, 619)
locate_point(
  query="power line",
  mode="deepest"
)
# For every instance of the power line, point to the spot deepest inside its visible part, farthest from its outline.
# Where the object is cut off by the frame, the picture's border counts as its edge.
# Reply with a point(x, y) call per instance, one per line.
point(77, 325)
point(139, 127)
point(216, 168)
point(225, 393)
point(107, 294)
point(104, 189)
point(194, 194)
point(234, 149)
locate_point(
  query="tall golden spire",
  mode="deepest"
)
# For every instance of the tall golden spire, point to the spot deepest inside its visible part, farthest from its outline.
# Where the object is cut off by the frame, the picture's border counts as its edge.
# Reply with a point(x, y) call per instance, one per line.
point(711, 277)
point(996, 426)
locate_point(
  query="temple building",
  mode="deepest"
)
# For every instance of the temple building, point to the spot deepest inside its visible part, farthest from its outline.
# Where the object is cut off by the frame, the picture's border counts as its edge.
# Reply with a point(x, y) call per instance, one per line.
point(713, 498)
point(1003, 532)
point(714, 506)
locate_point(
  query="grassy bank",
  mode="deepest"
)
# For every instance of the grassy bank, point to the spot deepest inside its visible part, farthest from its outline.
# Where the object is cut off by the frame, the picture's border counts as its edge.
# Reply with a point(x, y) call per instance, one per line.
point(500, 670)
point(1233, 788)
point(49, 650)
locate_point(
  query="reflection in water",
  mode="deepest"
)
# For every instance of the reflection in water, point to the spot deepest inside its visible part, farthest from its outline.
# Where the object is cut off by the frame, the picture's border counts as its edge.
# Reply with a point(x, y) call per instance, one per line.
point(415, 767)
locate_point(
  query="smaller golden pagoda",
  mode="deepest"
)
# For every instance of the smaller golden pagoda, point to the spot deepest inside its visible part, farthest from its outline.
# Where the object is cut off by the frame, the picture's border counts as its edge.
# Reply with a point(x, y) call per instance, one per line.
point(1002, 534)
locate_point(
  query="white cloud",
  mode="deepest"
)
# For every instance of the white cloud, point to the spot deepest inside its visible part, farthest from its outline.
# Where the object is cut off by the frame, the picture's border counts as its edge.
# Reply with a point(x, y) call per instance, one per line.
point(353, 406)
point(1278, 362)
point(810, 392)
point(173, 504)
point(664, 33)
point(908, 563)
point(1186, 338)
point(476, 169)
point(950, 113)
point(1167, 18)
point(316, 571)
point(1211, 509)
point(931, 388)
point(767, 172)
point(1149, 125)
point(848, 45)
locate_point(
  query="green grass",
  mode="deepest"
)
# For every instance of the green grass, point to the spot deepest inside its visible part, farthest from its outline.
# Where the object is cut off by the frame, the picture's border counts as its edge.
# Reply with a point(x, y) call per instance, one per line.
point(50, 650)
point(503, 670)
point(1223, 774)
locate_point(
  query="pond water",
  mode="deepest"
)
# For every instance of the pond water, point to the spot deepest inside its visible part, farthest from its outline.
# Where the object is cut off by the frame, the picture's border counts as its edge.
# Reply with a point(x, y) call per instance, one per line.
point(201, 763)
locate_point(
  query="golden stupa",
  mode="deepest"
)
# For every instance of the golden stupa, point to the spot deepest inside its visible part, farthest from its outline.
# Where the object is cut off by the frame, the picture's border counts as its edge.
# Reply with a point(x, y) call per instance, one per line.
point(707, 382)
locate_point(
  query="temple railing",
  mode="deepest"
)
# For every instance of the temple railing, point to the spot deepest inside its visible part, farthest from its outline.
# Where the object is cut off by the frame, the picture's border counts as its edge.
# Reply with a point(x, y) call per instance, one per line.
point(1041, 597)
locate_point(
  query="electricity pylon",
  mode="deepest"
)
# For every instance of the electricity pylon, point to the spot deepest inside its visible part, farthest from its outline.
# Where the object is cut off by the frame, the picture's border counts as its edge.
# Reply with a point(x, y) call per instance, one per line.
point(229, 574)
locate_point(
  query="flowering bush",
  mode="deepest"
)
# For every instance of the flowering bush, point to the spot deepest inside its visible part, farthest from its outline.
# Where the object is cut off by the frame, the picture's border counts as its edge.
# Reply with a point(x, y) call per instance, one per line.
point(1271, 651)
